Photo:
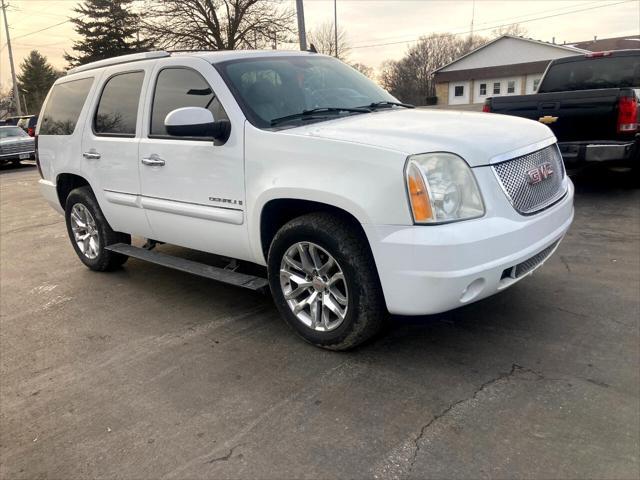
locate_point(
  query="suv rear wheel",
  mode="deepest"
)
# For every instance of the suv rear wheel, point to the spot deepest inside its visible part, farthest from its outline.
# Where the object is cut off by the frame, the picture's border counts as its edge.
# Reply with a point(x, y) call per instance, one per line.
point(90, 232)
point(324, 282)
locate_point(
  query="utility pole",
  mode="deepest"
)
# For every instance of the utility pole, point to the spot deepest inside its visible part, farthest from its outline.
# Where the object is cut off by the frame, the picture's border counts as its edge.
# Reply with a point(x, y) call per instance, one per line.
point(302, 34)
point(16, 97)
point(335, 24)
point(473, 14)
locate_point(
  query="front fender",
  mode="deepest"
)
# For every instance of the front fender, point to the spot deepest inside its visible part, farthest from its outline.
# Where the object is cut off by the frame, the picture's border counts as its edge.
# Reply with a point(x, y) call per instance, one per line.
point(366, 182)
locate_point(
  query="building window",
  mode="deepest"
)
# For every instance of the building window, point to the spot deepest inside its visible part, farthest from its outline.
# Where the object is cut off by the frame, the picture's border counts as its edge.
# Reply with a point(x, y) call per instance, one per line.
point(483, 89)
point(496, 88)
point(459, 91)
point(511, 86)
point(536, 82)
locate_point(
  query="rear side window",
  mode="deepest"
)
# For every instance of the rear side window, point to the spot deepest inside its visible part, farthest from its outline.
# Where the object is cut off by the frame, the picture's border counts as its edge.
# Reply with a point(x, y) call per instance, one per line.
point(64, 106)
point(117, 111)
point(181, 87)
point(592, 73)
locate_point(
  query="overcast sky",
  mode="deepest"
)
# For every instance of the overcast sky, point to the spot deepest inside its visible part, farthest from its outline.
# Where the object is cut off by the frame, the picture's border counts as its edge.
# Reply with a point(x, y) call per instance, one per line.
point(369, 23)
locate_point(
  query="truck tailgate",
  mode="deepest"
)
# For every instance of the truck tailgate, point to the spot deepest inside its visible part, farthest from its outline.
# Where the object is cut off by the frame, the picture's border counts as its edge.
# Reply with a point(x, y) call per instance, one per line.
point(573, 116)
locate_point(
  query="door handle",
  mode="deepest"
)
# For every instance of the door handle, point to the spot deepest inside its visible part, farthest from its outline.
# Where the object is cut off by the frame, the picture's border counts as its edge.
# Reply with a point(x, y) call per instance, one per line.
point(153, 160)
point(91, 155)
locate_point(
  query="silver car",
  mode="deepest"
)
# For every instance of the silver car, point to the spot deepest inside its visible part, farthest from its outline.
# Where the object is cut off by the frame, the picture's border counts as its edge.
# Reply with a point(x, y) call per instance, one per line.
point(15, 145)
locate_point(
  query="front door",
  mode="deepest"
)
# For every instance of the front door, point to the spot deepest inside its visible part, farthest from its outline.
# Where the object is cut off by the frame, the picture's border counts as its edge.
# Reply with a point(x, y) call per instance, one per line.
point(193, 188)
point(110, 147)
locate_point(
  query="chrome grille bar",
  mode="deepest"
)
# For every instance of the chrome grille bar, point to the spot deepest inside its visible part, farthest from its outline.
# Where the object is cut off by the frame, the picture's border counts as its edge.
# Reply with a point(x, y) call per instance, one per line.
point(528, 198)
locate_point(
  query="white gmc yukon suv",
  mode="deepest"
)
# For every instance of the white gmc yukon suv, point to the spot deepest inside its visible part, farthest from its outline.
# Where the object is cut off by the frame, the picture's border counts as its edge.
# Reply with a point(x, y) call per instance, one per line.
point(358, 205)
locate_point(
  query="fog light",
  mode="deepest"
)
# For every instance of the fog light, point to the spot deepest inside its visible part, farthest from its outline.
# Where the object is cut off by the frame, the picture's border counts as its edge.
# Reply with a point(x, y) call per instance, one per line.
point(472, 290)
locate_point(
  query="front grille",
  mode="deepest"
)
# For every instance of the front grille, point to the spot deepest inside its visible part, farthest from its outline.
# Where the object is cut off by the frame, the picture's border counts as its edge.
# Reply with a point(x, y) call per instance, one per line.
point(531, 263)
point(529, 198)
point(16, 147)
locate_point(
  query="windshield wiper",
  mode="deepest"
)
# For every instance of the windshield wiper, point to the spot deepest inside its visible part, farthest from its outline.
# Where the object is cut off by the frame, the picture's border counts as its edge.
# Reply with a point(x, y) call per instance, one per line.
point(375, 105)
point(314, 111)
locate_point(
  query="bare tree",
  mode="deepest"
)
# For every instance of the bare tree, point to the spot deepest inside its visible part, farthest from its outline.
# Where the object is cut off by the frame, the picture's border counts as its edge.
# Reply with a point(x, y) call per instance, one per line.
point(7, 106)
point(410, 79)
point(366, 70)
point(217, 24)
point(324, 39)
point(515, 29)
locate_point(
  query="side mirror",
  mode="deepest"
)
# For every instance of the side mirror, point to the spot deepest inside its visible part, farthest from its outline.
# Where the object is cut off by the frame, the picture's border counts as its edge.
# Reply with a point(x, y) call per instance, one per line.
point(196, 122)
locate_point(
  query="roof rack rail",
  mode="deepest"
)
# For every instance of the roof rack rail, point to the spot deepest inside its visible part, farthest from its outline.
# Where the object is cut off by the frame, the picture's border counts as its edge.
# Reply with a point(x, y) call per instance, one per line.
point(182, 50)
point(133, 57)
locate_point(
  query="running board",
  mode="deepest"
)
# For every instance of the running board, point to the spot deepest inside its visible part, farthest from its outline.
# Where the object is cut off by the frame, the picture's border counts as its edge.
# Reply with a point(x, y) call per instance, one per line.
point(196, 268)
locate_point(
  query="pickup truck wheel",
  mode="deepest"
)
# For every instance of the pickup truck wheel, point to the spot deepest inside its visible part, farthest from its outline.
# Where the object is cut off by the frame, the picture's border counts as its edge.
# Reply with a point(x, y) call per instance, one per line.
point(324, 282)
point(90, 232)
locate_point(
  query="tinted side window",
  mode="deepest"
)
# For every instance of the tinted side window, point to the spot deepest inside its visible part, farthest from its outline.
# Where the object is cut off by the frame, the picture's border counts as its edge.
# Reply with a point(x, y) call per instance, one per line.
point(181, 87)
point(63, 108)
point(117, 111)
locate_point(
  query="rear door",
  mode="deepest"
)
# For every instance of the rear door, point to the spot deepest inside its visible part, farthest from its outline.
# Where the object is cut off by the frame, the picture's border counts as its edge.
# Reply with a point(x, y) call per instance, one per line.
point(110, 146)
point(193, 188)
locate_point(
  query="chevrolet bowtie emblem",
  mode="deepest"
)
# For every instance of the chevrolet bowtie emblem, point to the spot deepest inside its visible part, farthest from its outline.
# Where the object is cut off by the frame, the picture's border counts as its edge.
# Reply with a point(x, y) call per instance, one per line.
point(547, 119)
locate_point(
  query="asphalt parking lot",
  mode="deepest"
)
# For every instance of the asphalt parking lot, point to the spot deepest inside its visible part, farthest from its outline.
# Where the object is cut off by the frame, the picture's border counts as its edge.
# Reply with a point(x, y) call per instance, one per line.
point(152, 373)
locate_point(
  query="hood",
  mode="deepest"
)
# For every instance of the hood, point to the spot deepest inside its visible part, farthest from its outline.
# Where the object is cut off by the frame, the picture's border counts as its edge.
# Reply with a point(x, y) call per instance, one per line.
point(479, 138)
point(12, 140)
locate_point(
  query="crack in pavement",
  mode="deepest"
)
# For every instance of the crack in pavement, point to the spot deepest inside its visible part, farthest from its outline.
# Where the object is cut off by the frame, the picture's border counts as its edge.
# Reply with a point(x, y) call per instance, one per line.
point(400, 462)
point(31, 227)
point(226, 457)
point(514, 368)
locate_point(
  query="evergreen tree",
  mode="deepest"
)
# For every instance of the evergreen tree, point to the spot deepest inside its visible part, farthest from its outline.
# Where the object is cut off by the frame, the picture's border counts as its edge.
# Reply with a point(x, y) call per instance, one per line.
point(34, 81)
point(108, 28)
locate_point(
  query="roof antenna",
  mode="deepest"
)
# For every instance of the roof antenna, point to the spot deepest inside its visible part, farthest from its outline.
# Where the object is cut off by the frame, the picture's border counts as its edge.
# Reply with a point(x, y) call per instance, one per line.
point(312, 48)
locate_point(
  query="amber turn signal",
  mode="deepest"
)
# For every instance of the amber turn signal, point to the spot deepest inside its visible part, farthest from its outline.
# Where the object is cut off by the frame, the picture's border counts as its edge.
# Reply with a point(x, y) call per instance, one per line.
point(420, 204)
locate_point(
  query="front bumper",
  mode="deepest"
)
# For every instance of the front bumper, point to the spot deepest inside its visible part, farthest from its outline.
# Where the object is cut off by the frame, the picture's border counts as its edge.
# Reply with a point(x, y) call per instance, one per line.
point(432, 269)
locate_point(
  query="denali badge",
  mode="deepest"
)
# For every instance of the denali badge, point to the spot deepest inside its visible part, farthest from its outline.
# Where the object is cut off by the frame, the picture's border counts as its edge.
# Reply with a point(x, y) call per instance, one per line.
point(540, 173)
point(225, 200)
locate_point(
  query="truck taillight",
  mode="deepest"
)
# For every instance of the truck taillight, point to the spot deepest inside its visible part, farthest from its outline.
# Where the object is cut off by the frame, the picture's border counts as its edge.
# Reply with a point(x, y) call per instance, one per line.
point(627, 115)
point(486, 107)
point(37, 157)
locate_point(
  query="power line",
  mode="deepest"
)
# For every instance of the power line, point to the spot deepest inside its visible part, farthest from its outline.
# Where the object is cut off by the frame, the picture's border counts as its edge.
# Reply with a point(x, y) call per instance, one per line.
point(498, 26)
point(42, 29)
point(504, 19)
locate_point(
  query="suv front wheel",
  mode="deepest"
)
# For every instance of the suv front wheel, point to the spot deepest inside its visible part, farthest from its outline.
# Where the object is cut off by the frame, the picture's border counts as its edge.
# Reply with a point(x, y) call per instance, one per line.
point(90, 232)
point(324, 281)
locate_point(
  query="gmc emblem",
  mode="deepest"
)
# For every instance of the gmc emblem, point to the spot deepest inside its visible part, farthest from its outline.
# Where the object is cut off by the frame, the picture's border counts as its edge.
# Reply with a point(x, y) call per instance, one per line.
point(540, 173)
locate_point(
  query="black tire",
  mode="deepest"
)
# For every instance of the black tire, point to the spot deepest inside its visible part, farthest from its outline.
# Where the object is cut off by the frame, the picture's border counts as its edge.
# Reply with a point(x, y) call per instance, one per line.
point(366, 312)
point(105, 260)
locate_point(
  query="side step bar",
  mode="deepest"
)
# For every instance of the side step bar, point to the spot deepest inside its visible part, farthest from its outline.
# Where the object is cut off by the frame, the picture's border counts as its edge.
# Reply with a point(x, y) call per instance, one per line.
point(189, 266)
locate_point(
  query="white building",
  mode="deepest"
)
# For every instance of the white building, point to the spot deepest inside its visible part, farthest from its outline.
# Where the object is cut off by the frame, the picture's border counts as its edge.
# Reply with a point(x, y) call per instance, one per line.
point(507, 65)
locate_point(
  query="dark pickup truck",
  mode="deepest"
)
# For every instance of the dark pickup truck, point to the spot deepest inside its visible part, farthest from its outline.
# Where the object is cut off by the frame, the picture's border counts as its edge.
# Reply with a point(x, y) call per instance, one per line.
point(590, 102)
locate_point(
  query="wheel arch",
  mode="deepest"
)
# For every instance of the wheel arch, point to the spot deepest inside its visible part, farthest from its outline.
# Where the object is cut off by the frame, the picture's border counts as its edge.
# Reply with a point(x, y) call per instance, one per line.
point(278, 211)
point(66, 182)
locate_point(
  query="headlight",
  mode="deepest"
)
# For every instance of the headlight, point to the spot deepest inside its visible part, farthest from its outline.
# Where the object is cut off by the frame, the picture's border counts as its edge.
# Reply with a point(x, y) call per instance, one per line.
point(442, 189)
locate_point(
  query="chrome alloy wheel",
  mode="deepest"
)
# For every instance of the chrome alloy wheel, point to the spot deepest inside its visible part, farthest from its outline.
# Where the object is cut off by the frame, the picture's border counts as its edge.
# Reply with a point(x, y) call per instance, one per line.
point(314, 286)
point(85, 231)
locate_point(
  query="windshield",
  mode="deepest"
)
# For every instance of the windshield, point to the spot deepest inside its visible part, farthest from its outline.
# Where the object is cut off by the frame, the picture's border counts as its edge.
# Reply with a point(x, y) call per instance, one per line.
point(7, 132)
point(272, 88)
point(591, 73)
